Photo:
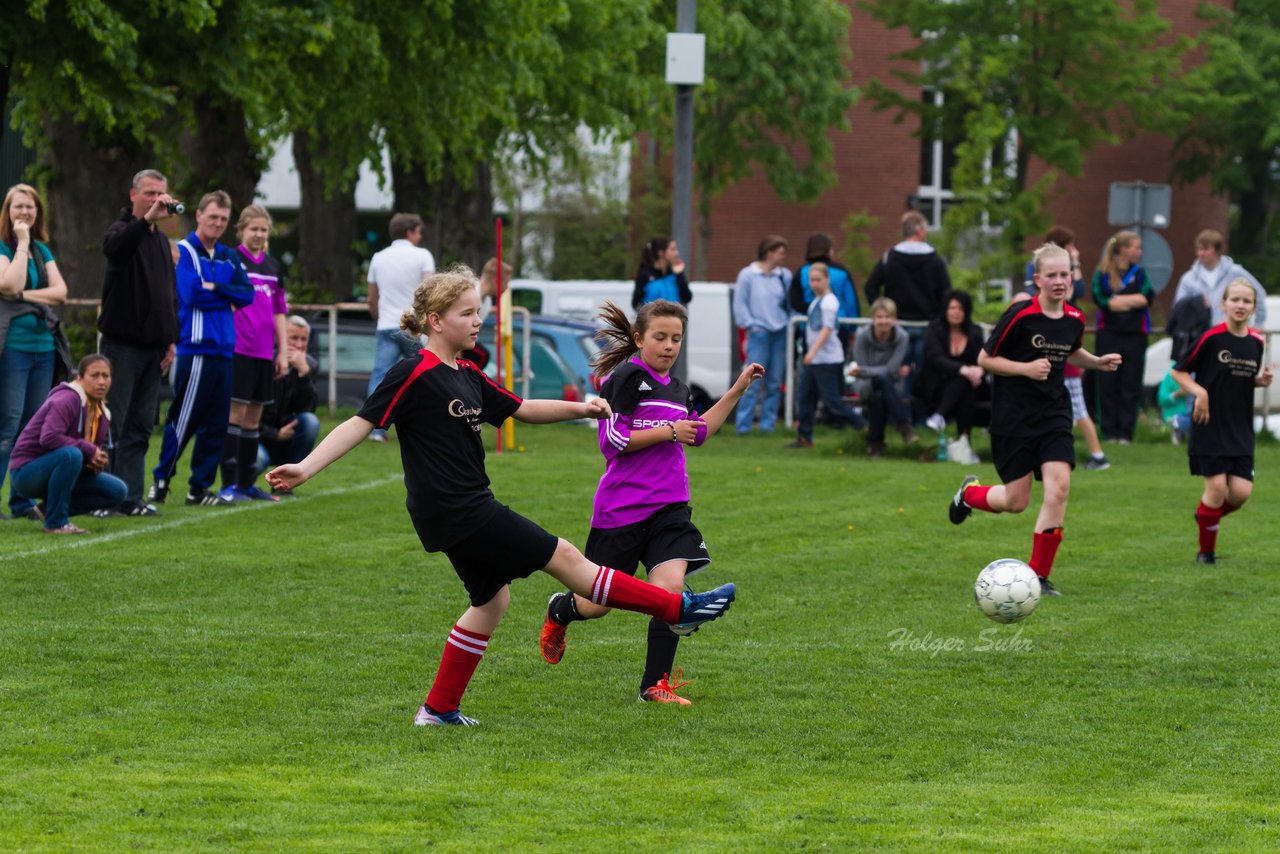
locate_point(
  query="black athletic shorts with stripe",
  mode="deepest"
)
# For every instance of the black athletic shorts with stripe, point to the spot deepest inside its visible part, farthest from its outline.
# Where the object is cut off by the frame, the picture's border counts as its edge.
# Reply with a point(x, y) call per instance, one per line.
point(665, 536)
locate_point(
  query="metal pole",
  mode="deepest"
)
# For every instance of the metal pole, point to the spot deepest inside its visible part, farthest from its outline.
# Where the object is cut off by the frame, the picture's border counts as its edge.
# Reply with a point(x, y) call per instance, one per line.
point(682, 167)
point(333, 360)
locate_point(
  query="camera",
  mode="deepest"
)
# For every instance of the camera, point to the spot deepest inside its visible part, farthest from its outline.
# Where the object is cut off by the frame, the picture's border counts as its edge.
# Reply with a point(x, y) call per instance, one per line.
point(176, 207)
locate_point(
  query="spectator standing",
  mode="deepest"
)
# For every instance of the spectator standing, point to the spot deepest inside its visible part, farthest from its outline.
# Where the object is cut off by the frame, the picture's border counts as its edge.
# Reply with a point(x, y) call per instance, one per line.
point(879, 364)
point(915, 277)
point(1211, 273)
point(139, 326)
point(289, 424)
point(760, 307)
point(1123, 294)
point(261, 356)
point(823, 360)
point(661, 274)
point(394, 274)
point(818, 251)
point(61, 455)
point(948, 383)
point(31, 342)
point(211, 282)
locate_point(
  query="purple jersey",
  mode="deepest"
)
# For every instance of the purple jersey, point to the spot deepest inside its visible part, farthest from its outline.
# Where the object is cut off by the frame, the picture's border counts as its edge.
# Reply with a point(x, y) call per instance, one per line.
point(636, 485)
point(256, 322)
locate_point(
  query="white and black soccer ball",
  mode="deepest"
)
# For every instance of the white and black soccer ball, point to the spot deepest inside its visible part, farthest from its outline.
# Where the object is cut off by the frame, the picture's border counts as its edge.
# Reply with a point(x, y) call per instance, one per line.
point(1007, 590)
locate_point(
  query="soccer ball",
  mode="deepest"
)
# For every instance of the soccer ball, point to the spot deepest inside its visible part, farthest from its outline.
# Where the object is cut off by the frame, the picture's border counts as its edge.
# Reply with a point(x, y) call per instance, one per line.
point(1007, 590)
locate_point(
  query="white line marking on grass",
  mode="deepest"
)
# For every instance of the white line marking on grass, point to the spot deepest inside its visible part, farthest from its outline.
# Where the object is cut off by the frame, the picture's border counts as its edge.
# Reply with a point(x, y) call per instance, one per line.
point(208, 516)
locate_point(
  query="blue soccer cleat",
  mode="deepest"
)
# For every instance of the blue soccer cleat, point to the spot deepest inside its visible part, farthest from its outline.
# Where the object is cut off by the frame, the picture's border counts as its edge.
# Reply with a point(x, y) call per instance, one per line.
point(426, 717)
point(699, 608)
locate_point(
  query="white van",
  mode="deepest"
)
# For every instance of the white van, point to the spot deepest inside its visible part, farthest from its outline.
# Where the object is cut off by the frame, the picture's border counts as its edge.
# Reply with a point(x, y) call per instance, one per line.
point(712, 338)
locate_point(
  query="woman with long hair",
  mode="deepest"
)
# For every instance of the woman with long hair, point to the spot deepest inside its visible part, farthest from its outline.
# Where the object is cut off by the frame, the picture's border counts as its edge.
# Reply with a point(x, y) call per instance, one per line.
point(1123, 294)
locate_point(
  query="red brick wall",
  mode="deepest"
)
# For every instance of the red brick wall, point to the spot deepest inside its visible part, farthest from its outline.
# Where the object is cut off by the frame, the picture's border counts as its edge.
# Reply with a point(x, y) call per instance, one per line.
point(877, 162)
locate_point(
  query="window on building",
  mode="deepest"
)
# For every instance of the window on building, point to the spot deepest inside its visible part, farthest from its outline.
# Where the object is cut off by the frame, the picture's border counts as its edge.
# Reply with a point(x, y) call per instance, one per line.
point(935, 193)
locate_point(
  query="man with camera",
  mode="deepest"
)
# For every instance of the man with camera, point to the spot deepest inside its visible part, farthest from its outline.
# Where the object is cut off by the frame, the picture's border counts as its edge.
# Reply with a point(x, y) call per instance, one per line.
point(139, 326)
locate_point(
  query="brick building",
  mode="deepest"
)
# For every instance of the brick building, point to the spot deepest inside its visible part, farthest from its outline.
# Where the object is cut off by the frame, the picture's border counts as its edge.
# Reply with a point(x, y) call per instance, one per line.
point(879, 165)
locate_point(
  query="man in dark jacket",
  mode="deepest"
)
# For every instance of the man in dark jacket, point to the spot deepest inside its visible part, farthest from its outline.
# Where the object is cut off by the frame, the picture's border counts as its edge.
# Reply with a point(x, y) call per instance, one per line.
point(139, 326)
point(289, 425)
point(915, 277)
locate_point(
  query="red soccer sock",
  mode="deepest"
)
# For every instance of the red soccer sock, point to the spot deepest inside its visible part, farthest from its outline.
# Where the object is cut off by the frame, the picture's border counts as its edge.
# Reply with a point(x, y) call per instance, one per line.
point(1228, 508)
point(1044, 547)
point(615, 589)
point(976, 497)
point(462, 653)
point(1208, 519)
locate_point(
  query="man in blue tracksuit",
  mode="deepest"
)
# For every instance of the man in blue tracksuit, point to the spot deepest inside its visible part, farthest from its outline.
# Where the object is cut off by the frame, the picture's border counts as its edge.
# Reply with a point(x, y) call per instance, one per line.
point(211, 281)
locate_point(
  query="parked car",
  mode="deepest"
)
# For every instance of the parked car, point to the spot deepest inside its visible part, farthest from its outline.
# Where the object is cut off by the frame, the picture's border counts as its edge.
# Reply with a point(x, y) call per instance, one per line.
point(550, 374)
point(574, 340)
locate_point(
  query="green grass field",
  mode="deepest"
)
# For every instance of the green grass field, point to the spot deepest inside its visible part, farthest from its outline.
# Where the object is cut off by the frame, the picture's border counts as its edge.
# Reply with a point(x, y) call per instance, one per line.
point(245, 678)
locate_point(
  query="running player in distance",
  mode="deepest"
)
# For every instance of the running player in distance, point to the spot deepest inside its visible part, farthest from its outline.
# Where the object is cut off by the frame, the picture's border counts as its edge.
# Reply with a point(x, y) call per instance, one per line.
point(1220, 374)
point(1031, 409)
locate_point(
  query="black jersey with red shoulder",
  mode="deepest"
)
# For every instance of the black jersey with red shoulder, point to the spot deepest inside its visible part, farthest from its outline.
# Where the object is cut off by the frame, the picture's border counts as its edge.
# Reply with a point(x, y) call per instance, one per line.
point(1225, 365)
point(437, 411)
point(1024, 333)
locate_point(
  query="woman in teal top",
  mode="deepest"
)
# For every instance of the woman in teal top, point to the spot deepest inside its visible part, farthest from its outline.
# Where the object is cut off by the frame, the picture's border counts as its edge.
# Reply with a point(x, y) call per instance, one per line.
point(29, 283)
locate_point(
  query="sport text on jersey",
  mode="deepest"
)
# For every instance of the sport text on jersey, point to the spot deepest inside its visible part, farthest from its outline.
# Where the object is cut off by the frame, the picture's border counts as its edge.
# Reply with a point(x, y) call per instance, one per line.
point(1054, 352)
point(458, 409)
point(1239, 367)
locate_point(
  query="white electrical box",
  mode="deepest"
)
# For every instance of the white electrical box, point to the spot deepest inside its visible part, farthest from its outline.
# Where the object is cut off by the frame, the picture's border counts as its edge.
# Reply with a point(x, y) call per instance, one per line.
point(686, 56)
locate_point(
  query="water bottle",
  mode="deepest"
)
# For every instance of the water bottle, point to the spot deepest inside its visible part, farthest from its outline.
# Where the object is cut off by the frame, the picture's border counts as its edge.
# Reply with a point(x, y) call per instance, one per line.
point(942, 447)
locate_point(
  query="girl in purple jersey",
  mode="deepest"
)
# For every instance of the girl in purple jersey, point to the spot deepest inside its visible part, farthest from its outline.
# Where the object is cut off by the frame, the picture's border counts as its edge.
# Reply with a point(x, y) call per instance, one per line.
point(1227, 366)
point(437, 403)
point(261, 357)
point(642, 512)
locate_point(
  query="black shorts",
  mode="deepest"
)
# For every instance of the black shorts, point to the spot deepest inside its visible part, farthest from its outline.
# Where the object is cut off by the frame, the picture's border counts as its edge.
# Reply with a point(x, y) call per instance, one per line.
point(665, 536)
point(505, 548)
point(1207, 465)
point(253, 380)
point(1017, 456)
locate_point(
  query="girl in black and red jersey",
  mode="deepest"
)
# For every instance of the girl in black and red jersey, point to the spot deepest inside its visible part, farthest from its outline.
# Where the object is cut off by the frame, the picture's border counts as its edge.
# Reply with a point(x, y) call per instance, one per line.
point(1227, 364)
point(1031, 408)
point(437, 402)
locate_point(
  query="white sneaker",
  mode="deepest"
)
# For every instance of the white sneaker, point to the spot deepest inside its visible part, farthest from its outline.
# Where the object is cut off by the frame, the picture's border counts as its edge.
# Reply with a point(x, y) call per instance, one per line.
point(961, 452)
point(936, 422)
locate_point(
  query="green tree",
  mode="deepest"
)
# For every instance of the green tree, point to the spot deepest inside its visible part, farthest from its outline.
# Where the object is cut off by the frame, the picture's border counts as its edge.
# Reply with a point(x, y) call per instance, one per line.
point(777, 83)
point(1044, 80)
point(1227, 126)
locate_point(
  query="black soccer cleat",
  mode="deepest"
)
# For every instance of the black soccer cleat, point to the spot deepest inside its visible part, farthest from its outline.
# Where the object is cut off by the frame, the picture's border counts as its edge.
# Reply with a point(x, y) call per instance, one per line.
point(1047, 588)
point(159, 492)
point(1206, 557)
point(959, 511)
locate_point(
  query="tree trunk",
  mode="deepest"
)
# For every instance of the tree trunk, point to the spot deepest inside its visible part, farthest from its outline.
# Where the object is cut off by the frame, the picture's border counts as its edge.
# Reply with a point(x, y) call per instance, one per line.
point(218, 155)
point(457, 211)
point(326, 222)
point(86, 188)
point(1249, 237)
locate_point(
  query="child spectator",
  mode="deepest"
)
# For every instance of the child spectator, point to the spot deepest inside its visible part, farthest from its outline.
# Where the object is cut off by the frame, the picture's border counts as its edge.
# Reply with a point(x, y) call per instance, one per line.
point(642, 510)
point(879, 366)
point(1220, 375)
point(818, 251)
point(61, 455)
point(823, 358)
point(1175, 406)
point(437, 403)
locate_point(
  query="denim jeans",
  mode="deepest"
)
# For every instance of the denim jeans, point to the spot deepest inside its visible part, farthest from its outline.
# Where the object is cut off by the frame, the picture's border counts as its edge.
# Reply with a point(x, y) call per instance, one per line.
point(291, 450)
point(885, 405)
point(824, 381)
point(25, 380)
point(770, 350)
point(915, 357)
point(134, 402)
point(392, 346)
point(67, 487)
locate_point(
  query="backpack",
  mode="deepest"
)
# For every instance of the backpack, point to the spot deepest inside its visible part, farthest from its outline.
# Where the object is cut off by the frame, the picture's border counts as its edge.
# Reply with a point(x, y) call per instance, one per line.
point(1188, 321)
